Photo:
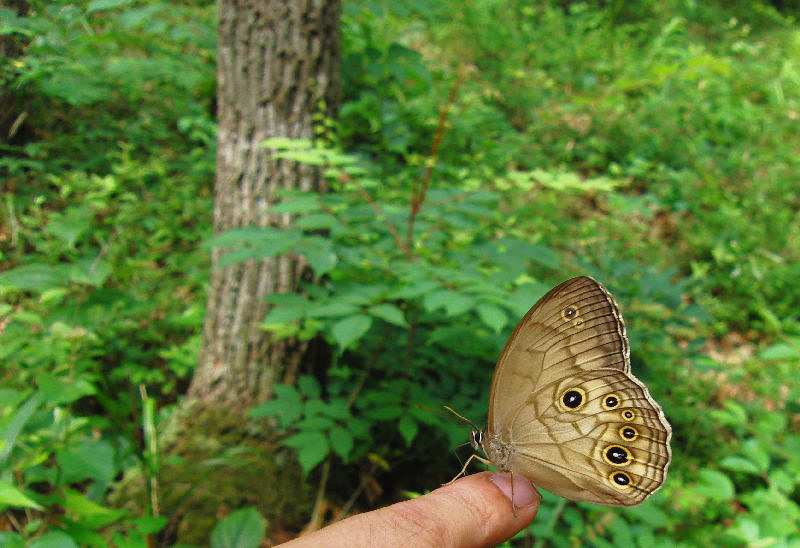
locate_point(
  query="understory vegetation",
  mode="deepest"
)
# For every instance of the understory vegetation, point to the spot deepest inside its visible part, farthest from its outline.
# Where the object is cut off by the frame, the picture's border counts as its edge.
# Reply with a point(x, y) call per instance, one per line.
point(484, 152)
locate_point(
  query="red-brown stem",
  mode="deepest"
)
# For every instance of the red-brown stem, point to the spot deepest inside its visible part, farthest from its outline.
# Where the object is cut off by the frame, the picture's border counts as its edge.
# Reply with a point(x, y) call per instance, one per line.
point(418, 191)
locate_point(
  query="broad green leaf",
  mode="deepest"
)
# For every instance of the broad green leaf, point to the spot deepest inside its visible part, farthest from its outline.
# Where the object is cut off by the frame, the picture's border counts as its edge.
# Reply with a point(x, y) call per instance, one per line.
point(90, 272)
point(438, 299)
point(413, 289)
point(69, 226)
point(267, 409)
point(309, 386)
point(312, 157)
point(315, 422)
point(53, 539)
point(492, 316)
point(11, 540)
point(341, 441)
point(316, 221)
point(739, 464)
point(11, 496)
point(301, 204)
point(319, 254)
point(241, 529)
point(60, 390)
point(408, 428)
point(459, 305)
point(15, 425)
point(282, 315)
point(781, 351)
point(251, 235)
point(715, 485)
point(359, 427)
point(330, 309)
point(86, 460)
point(36, 277)
point(312, 448)
point(101, 5)
point(286, 143)
point(349, 330)
point(389, 313)
point(92, 513)
point(150, 524)
point(337, 408)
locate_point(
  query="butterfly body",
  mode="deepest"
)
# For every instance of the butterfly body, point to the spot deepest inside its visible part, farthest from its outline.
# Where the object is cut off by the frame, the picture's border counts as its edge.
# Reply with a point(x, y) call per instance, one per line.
point(565, 410)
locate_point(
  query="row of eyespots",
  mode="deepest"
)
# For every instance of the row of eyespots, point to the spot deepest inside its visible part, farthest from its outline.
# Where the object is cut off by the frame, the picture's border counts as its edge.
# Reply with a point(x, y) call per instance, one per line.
point(615, 455)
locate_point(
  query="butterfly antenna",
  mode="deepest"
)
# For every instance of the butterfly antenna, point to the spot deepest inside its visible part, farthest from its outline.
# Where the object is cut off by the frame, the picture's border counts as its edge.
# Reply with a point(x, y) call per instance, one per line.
point(463, 418)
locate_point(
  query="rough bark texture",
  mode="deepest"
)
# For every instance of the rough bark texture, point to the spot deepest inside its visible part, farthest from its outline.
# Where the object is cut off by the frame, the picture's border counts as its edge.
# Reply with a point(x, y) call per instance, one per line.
point(278, 65)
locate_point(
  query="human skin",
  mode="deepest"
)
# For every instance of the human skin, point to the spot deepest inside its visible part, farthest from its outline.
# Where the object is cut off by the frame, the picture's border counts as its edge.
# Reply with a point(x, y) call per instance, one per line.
point(470, 512)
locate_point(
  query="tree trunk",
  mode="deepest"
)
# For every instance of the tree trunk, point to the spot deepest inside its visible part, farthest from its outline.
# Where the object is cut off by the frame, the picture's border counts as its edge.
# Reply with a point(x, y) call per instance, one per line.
point(278, 65)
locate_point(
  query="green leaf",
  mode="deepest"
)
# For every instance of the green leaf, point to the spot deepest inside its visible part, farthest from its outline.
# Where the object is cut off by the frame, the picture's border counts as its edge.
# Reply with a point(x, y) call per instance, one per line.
point(341, 441)
point(331, 308)
point(86, 460)
point(69, 226)
point(286, 403)
point(312, 448)
point(92, 513)
point(101, 5)
point(58, 390)
point(36, 277)
point(11, 540)
point(53, 539)
point(714, 485)
point(318, 252)
point(301, 204)
point(780, 351)
point(317, 221)
point(287, 143)
point(408, 428)
point(337, 408)
point(492, 316)
point(309, 386)
point(316, 422)
point(90, 272)
point(150, 524)
point(282, 315)
point(438, 299)
point(359, 427)
point(459, 305)
point(413, 289)
point(349, 330)
point(11, 496)
point(739, 464)
point(242, 529)
point(389, 313)
point(267, 409)
point(15, 425)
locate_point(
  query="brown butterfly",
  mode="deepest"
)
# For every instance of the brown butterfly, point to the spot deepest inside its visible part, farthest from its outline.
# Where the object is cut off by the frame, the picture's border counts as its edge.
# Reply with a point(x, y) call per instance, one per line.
point(566, 412)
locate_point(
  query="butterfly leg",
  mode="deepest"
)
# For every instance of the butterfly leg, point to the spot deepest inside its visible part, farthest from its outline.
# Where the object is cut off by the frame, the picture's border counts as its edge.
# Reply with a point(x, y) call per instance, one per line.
point(466, 464)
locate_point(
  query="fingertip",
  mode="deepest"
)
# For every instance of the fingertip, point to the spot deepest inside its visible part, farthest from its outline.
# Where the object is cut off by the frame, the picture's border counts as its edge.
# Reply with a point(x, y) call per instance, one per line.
point(486, 499)
point(517, 489)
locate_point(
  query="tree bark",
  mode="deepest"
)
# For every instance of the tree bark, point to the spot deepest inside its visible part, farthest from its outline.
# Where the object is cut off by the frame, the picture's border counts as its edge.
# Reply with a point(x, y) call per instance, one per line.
point(278, 66)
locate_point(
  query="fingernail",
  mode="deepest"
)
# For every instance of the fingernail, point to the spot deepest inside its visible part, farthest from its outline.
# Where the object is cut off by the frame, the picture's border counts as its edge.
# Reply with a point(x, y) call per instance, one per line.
point(525, 494)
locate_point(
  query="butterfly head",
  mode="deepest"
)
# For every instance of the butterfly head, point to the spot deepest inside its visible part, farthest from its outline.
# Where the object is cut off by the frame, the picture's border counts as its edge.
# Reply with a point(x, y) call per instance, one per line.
point(476, 439)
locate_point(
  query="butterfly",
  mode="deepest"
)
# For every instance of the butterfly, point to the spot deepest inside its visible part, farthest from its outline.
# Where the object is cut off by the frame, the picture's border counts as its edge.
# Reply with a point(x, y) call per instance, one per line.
point(566, 412)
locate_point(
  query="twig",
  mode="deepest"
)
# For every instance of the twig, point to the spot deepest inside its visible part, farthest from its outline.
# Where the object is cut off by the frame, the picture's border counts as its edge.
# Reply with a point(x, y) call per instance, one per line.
point(418, 191)
point(345, 178)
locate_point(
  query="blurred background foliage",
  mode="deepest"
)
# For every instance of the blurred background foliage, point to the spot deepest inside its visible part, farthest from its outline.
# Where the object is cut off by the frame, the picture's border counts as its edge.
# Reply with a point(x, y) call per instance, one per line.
point(653, 145)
